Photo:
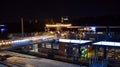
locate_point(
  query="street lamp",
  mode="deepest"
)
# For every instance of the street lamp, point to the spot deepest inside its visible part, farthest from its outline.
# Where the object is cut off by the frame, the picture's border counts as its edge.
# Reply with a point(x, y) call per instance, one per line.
point(22, 27)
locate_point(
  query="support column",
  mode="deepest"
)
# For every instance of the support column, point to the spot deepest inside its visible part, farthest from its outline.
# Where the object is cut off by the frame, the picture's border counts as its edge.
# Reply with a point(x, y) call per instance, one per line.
point(79, 47)
point(96, 56)
point(52, 50)
point(105, 53)
point(22, 27)
point(51, 53)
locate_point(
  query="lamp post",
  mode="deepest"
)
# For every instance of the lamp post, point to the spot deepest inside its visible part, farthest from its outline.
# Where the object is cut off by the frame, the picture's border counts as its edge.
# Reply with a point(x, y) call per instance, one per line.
point(22, 27)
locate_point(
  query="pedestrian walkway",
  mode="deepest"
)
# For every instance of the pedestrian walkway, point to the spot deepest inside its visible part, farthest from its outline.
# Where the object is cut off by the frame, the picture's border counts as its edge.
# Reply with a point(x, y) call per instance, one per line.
point(27, 60)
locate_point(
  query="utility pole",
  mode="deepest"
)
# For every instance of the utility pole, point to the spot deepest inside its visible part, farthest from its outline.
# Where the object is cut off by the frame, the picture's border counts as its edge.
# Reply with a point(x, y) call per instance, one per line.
point(62, 19)
point(22, 27)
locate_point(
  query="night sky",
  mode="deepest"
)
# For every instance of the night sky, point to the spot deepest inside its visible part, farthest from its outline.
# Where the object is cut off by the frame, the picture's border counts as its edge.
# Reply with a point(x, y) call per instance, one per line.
point(12, 10)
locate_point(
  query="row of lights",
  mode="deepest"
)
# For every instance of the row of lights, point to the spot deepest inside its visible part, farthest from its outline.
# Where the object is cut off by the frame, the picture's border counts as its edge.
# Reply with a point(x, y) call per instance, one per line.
point(5, 42)
point(58, 25)
point(35, 39)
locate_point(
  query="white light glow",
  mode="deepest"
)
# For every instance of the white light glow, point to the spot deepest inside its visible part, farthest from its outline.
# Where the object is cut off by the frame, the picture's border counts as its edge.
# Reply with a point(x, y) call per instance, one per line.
point(64, 40)
point(107, 43)
point(2, 25)
point(74, 41)
point(66, 18)
point(84, 41)
point(93, 29)
point(80, 41)
point(117, 43)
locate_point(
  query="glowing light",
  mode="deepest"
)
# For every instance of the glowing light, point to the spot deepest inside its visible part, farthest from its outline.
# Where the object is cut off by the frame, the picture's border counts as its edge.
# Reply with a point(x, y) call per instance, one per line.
point(93, 29)
point(3, 43)
point(74, 41)
point(2, 25)
point(21, 42)
point(107, 43)
point(58, 25)
point(3, 29)
point(64, 40)
point(66, 18)
point(80, 41)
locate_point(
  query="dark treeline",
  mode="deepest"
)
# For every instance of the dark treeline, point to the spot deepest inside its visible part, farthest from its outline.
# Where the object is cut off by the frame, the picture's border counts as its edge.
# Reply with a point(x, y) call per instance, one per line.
point(98, 21)
point(15, 27)
point(28, 27)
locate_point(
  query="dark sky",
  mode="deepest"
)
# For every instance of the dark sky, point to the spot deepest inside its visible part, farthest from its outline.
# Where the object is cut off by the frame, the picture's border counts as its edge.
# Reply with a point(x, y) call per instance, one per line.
point(12, 10)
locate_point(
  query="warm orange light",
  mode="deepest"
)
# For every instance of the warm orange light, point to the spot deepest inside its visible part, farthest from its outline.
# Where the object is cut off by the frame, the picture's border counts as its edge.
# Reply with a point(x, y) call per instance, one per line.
point(58, 25)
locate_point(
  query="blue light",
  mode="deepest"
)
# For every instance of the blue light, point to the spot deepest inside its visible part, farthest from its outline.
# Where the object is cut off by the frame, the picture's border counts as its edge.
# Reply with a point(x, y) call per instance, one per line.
point(21, 42)
point(3, 30)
